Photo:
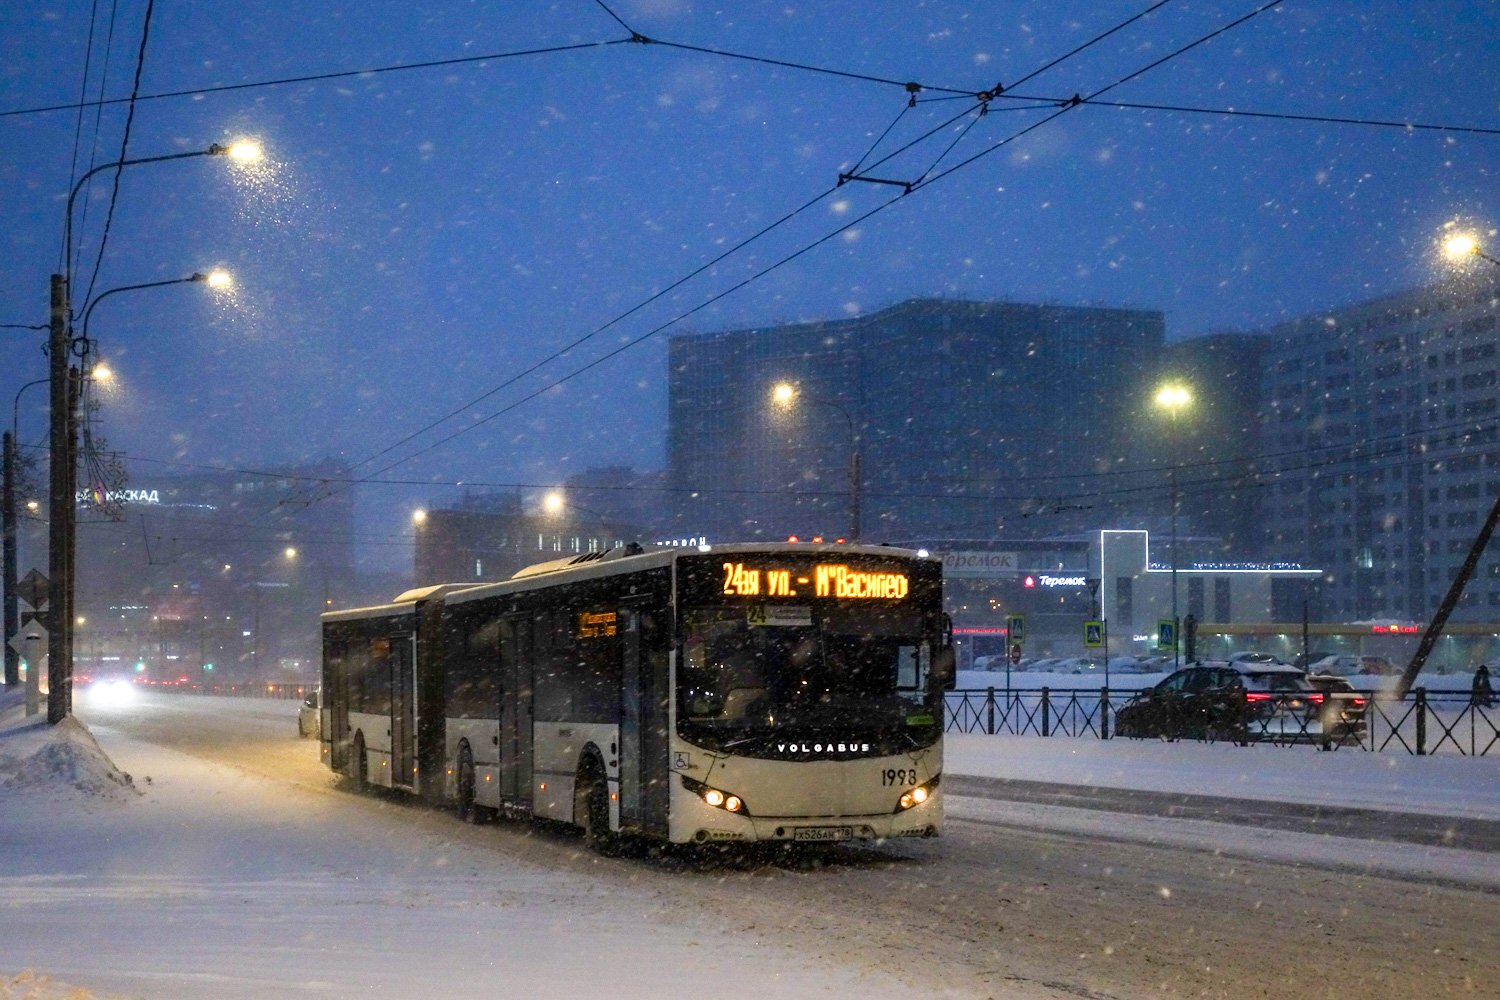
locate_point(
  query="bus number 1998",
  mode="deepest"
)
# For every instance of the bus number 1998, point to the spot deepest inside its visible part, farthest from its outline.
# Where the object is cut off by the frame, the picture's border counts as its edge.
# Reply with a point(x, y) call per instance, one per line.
point(898, 776)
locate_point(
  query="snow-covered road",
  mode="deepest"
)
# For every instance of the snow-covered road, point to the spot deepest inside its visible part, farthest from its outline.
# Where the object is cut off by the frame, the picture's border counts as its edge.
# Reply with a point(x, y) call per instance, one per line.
point(244, 870)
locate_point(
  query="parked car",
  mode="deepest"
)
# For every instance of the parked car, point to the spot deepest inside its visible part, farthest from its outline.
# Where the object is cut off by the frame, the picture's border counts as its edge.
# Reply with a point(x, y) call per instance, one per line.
point(308, 714)
point(1235, 700)
point(1343, 711)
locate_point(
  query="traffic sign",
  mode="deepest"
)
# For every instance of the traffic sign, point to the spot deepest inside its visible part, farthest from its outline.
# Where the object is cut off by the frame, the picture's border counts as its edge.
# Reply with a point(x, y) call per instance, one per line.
point(1166, 634)
point(33, 631)
point(1015, 628)
point(1093, 633)
point(1015, 654)
point(33, 589)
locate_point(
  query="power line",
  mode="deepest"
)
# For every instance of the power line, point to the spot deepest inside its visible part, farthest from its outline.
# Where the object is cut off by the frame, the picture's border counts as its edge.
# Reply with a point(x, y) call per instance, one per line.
point(767, 270)
point(581, 340)
point(109, 217)
point(1097, 38)
point(83, 93)
point(320, 77)
point(83, 218)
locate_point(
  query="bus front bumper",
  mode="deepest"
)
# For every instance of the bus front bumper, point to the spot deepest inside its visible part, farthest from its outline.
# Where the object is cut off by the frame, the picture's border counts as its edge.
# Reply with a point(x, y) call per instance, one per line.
point(694, 821)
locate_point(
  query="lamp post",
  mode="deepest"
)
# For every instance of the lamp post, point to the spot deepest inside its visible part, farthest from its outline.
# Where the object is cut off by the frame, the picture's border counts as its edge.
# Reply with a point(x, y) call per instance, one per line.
point(784, 395)
point(66, 383)
point(1456, 247)
point(63, 380)
point(9, 519)
point(1173, 398)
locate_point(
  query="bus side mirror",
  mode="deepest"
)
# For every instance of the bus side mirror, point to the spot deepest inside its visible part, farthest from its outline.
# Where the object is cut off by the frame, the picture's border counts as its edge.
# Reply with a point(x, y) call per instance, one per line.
point(945, 669)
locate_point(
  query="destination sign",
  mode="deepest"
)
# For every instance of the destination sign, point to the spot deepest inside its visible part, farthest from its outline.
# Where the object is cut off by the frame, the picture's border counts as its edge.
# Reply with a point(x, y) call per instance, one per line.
point(825, 580)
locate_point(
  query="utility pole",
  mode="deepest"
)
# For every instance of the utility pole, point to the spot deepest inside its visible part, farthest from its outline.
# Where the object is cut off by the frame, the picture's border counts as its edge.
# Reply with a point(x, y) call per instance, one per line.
point(854, 489)
point(60, 506)
point(8, 515)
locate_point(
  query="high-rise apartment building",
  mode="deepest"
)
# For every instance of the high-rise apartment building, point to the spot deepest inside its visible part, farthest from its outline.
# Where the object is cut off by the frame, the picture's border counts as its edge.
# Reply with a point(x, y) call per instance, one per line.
point(1380, 448)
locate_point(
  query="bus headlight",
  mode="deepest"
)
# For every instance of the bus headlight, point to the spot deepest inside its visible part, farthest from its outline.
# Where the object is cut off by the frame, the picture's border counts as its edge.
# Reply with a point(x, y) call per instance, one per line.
point(714, 797)
point(917, 796)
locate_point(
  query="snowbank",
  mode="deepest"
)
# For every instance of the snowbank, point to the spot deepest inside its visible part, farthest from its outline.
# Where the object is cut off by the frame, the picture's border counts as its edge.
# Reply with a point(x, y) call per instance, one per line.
point(36, 757)
point(29, 985)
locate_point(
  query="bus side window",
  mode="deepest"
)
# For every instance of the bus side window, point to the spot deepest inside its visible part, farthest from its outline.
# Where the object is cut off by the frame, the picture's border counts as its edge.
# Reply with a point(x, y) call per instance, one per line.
point(906, 667)
point(359, 667)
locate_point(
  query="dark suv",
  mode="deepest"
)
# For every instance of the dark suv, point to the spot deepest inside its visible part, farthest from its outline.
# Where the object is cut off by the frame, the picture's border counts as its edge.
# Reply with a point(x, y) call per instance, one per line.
point(1242, 700)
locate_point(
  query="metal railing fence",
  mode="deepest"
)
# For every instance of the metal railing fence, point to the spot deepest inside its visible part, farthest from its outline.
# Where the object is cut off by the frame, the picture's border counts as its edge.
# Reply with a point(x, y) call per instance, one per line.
point(1423, 722)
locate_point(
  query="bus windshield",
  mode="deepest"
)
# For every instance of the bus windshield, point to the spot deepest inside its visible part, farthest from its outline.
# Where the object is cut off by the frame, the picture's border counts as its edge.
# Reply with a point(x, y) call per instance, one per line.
point(850, 671)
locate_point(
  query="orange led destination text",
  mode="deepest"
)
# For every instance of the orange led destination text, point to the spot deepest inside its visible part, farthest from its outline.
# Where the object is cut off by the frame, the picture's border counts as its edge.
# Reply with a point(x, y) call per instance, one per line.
point(828, 581)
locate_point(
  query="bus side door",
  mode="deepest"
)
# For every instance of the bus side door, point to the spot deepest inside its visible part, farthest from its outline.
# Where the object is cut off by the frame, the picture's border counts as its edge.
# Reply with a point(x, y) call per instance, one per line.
point(517, 646)
point(403, 711)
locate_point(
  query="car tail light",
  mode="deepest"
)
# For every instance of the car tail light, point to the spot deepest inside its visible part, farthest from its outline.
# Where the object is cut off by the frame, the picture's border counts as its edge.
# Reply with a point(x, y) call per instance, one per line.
point(1357, 701)
point(1257, 696)
point(1316, 698)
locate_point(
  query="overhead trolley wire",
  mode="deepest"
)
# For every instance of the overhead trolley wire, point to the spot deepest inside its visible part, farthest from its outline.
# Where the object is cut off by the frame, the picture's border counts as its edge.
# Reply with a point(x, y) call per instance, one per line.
point(789, 258)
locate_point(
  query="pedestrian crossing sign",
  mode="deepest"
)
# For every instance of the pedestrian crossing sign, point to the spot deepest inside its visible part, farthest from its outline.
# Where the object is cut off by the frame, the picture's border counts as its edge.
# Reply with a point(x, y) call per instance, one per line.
point(1166, 634)
point(1093, 633)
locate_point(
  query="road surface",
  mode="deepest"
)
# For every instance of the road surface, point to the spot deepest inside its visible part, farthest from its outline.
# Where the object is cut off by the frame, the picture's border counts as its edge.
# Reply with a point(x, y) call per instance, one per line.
point(988, 910)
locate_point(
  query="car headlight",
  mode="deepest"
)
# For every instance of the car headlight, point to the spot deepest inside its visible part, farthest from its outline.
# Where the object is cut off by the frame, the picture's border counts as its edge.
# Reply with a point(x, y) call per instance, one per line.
point(916, 796)
point(715, 797)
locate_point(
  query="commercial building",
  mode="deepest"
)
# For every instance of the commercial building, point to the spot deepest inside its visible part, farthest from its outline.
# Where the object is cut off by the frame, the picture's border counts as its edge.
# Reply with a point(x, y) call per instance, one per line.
point(981, 419)
point(1122, 577)
point(217, 576)
point(1381, 449)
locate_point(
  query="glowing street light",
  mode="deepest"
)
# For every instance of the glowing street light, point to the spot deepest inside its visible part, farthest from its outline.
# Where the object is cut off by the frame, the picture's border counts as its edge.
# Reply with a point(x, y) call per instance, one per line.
point(1462, 245)
point(245, 152)
point(1174, 397)
point(291, 553)
point(784, 394)
point(218, 279)
point(102, 374)
point(553, 503)
point(418, 516)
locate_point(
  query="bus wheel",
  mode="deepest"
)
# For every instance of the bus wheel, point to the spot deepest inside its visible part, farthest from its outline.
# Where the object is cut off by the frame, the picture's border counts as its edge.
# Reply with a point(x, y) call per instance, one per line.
point(591, 808)
point(468, 811)
point(361, 764)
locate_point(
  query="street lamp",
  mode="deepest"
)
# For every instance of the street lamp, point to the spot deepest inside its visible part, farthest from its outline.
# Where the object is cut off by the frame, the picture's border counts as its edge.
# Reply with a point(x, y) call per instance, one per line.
point(552, 503)
point(61, 535)
point(784, 394)
point(291, 553)
point(1173, 398)
point(418, 516)
point(1461, 245)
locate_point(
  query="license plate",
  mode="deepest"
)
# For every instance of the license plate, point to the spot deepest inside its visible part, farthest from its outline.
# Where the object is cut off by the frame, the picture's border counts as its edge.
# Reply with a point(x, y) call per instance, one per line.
point(823, 833)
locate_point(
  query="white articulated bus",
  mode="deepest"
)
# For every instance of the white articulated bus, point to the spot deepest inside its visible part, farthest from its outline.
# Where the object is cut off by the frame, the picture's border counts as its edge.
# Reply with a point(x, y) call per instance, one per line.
point(735, 693)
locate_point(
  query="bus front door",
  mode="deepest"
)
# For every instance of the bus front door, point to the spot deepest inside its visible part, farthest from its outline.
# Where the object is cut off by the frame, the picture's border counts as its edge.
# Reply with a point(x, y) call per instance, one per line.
point(403, 712)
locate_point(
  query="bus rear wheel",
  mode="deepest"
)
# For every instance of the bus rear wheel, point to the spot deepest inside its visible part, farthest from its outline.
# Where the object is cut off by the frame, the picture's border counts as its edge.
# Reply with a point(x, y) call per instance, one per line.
point(361, 764)
point(591, 809)
point(468, 810)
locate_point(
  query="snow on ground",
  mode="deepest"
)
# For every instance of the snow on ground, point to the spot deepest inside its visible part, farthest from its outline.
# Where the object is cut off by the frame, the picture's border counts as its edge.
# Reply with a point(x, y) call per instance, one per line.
point(1444, 785)
point(217, 883)
point(1470, 868)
